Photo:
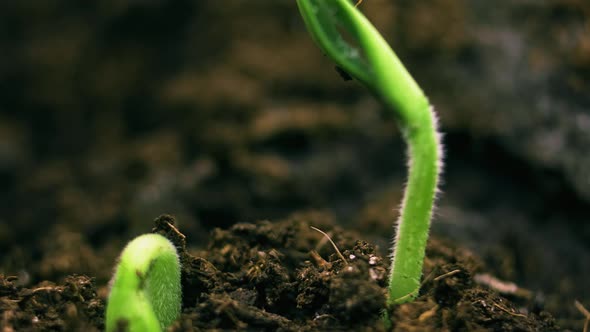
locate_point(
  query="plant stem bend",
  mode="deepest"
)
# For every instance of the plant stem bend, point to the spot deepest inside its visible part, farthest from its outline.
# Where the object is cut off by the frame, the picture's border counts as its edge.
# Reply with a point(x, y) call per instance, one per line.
point(372, 62)
point(145, 290)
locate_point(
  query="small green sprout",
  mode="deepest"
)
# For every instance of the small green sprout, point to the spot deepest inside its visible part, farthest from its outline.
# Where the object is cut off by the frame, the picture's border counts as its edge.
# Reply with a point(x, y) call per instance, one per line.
point(145, 291)
point(372, 62)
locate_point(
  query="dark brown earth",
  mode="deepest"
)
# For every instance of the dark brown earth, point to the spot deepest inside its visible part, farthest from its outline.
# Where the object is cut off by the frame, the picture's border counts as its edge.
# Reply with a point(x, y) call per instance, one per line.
point(264, 276)
point(273, 276)
point(224, 114)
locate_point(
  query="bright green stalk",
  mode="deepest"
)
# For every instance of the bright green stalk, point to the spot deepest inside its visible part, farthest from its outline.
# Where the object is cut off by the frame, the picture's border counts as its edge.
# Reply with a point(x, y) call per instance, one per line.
point(377, 67)
point(145, 292)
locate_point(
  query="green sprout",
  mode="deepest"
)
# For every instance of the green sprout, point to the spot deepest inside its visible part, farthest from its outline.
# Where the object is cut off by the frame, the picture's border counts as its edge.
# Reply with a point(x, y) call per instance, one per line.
point(333, 24)
point(145, 291)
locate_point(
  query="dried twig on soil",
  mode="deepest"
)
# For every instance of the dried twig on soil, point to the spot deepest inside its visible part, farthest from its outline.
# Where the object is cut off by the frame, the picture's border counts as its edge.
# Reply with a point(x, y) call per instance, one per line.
point(446, 275)
point(508, 311)
point(503, 287)
point(584, 312)
point(332, 242)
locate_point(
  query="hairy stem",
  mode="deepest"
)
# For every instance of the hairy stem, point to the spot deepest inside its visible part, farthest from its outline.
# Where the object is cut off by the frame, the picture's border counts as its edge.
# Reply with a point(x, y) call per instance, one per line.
point(416, 211)
point(145, 291)
point(375, 65)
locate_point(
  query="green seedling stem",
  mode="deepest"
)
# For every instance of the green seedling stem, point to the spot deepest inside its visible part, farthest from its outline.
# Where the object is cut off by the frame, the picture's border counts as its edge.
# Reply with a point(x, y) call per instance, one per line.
point(335, 25)
point(145, 291)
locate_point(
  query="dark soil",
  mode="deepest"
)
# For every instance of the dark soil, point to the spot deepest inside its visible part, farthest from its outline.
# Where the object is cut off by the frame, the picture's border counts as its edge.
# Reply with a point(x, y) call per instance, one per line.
point(223, 113)
point(285, 276)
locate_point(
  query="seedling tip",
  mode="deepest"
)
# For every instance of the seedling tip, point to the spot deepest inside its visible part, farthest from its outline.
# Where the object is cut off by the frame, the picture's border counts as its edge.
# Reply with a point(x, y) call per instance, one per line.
point(145, 290)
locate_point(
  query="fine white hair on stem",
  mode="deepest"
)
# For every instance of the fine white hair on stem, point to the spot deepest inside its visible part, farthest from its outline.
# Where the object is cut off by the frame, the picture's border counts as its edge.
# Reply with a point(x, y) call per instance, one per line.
point(437, 191)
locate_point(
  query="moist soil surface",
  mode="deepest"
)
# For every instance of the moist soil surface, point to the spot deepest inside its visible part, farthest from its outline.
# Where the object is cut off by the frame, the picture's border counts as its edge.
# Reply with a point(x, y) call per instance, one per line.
point(224, 115)
point(285, 276)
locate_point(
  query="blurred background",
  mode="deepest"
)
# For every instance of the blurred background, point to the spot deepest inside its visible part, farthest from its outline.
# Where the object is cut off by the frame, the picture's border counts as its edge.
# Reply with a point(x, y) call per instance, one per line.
point(114, 112)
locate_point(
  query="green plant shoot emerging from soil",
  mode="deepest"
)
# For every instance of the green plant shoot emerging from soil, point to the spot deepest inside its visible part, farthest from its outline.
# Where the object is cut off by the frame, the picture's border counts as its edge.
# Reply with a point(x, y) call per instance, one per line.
point(145, 292)
point(372, 62)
